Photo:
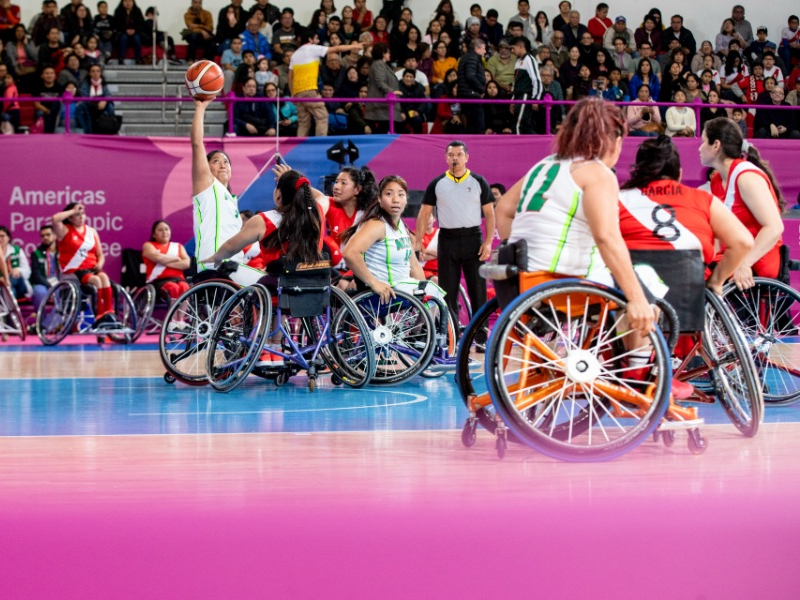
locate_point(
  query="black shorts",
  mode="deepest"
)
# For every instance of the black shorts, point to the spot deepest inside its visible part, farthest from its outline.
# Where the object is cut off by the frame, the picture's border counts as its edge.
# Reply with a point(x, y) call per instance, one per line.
point(83, 275)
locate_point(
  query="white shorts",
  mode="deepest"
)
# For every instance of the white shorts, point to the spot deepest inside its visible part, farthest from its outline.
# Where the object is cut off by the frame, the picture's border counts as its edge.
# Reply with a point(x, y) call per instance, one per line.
point(647, 275)
point(410, 286)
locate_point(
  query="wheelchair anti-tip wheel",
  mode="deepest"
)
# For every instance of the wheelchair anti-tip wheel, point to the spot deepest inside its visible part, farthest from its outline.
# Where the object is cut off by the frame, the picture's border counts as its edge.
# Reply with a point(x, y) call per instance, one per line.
point(185, 334)
point(57, 312)
point(732, 370)
point(239, 335)
point(403, 333)
point(558, 373)
point(769, 316)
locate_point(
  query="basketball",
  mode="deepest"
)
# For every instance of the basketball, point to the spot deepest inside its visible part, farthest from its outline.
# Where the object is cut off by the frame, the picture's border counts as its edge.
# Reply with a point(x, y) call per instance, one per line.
point(204, 79)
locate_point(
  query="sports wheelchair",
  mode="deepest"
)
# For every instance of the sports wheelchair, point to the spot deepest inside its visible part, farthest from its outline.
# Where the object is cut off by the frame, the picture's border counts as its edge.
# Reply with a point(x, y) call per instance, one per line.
point(317, 323)
point(71, 307)
point(559, 375)
point(413, 333)
point(769, 315)
point(11, 321)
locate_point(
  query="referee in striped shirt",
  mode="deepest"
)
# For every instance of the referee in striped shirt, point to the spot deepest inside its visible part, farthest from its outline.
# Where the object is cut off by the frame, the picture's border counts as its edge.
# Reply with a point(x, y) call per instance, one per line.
point(462, 199)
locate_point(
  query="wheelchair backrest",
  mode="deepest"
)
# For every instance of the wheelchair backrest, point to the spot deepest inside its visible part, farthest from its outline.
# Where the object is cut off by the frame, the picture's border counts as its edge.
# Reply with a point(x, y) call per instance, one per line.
point(683, 271)
point(515, 254)
point(304, 288)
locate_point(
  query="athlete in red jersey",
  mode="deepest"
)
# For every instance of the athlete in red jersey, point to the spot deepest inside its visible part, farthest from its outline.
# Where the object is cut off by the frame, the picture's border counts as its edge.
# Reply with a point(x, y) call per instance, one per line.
point(748, 189)
point(657, 211)
point(165, 261)
point(430, 250)
point(353, 191)
point(79, 253)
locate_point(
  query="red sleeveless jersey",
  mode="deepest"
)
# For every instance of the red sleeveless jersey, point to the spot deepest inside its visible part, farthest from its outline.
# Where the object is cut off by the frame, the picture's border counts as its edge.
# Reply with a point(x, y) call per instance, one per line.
point(431, 240)
point(667, 215)
point(769, 264)
point(338, 222)
point(155, 271)
point(77, 251)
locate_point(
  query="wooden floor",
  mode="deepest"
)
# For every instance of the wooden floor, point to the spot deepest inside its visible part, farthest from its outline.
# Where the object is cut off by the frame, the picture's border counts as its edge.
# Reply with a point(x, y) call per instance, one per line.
point(384, 512)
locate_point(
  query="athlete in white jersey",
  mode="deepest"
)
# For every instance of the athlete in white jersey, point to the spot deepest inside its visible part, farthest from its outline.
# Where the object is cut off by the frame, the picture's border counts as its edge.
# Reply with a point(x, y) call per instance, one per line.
point(215, 209)
point(380, 252)
point(575, 207)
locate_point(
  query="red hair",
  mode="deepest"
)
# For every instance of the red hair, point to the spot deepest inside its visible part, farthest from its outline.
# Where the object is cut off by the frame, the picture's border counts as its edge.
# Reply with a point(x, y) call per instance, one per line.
point(590, 130)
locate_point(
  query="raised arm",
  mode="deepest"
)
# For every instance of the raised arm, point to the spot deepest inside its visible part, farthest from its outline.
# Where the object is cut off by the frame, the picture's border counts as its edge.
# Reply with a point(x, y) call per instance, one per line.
point(201, 174)
point(59, 218)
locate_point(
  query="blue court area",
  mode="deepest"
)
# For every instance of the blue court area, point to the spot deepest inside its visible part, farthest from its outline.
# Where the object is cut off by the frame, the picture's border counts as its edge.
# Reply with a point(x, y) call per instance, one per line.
point(147, 405)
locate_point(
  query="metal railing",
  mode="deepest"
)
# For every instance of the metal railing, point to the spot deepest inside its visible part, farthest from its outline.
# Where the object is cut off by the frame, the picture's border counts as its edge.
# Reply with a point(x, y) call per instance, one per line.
point(391, 100)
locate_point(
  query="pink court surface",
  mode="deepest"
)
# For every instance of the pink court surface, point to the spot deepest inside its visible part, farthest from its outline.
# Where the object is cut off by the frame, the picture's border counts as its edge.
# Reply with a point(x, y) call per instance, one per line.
point(114, 484)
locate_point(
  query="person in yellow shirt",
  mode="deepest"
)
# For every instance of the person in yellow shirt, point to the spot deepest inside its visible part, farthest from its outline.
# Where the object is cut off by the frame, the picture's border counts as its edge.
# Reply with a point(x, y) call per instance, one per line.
point(303, 82)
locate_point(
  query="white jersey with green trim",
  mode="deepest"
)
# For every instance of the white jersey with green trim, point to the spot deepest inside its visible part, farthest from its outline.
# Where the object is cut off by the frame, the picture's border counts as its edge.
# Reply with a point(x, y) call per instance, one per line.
point(216, 220)
point(551, 219)
point(389, 260)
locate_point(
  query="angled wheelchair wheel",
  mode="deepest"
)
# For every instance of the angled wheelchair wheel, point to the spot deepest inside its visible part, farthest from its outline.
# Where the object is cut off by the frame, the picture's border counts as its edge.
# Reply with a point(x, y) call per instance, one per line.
point(769, 316)
point(11, 322)
point(558, 377)
point(403, 333)
point(238, 337)
point(733, 371)
point(144, 302)
point(464, 307)
point(57, 312)
point(125, 311)
point(445, 339)
point(184, 339)
point(349, 351)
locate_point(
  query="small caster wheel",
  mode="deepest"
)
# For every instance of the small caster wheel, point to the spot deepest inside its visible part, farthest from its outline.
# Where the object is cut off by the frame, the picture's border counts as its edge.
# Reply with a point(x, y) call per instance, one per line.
point(312, 384)
point(282, 378)
point(168, 378)
point(501, 445)
point(668, 437)
point(697, 442)
point(336, 380)
point(101, 339)
point(468, 434)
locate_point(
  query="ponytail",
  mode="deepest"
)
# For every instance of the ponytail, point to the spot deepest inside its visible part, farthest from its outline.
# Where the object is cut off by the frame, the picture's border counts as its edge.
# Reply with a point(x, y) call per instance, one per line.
point(301, 226)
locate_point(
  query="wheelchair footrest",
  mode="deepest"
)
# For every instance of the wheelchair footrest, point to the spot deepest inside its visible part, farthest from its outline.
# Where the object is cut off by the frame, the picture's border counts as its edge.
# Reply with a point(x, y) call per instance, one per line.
point(680, 425)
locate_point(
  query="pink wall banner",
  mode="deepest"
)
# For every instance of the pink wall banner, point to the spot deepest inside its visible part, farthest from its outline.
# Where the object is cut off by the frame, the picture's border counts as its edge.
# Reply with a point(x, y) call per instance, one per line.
point(127, 183)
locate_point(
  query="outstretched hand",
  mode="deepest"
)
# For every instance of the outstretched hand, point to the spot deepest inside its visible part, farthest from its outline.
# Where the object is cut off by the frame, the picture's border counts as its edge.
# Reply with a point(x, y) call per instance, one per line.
point(280, 170)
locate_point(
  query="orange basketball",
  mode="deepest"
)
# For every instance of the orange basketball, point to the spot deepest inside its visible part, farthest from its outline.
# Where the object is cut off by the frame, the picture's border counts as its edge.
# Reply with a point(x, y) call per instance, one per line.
point(204, 79)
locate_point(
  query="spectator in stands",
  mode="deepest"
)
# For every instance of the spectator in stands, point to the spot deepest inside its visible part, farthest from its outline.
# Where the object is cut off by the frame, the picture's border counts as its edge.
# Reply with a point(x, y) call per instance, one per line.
point(397, 40)
point(770, 69)
point(710, 112)
point(269, 12)
point(732, 71)
point(53, 51)
point(564, 8)
point(9, 18)
point(412, 114)
point(231, 23)
point(45, 269)
point(529, 28)
point(231, 59)
point(46, 20)
point(602, 62)
point(20, 56)
point(569, 72)
point(382, 81)
point(573, 30)
point(411, 63)
point(364, 65)
point(698, 60)
point(621, 57)
point(350, 30)
point(497, 117)
point(588, 51)
point(471, 83)
point(11, 110)
point(599, 24)
point(286, 34)
point(776, 124)
point(491, 28)
point(617, 87)
point(501, 66)
point(283, 71)
point(743, 30)
point(648, 33)
point(199, 32)
point(128, 21)
point(790, 41)
point(252, 118)
point(671, 83)
point(769, 85)
point(71, 73)
point(449, 118)
point(78, 24)
point(552, 88)
point(644, 120)
point(356, 124)
point(361, 15)
point(748, 87)
point(331, 71)
point(680, 120)
point(337, 116)
point(255, 41)
point(544, 32)
point(691, 86)
point(644, 76)
point(17, 265)
point(620, 30)
point(708, 82)
point(558, 51)
point(263, 75)
point(527, 118)
point(104, 29)
point(442, 63)
point(286, 119)
point(724, 37)
point(453, 23)
point(48, 110)
point(378, 31)
point(319, 24)
point(71, 9)
point(94, 86)
point(677, 31)
point(350, 85)
point(755, 50)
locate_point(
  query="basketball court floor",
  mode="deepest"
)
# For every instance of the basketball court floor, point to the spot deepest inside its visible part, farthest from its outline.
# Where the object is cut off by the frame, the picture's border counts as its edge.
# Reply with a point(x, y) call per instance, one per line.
point(114, 484)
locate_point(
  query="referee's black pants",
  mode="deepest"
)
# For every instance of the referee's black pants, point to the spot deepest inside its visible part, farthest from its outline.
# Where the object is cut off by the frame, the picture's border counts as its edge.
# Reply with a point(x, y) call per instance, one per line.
point(458, 253)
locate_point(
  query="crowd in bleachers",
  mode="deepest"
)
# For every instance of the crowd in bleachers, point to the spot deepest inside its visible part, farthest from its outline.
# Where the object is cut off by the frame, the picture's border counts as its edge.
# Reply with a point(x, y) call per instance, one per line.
point(630, 58)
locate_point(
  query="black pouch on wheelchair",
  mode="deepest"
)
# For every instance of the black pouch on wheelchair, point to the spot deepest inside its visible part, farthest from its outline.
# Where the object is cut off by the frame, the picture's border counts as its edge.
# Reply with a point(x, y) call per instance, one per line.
point(305, 287)
point(683, 271)
point(784, 275)
point(510, 254)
